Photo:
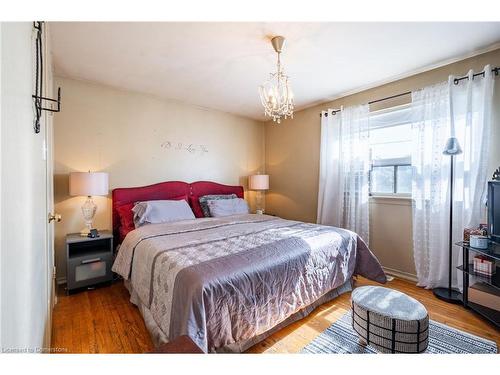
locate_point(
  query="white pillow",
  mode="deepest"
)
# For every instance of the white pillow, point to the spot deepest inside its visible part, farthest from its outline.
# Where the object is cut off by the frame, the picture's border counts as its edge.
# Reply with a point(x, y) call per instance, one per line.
point(161, 211)
point(226, 207)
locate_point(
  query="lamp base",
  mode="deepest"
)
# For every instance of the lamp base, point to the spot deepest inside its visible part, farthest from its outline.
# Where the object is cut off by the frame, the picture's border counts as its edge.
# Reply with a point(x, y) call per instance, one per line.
point(448, 295)
point(89, 209)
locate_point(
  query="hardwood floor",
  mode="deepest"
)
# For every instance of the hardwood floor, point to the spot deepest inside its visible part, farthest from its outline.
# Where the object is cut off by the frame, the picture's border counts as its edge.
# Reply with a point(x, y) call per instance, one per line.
point(104, 321)
point(99, 321)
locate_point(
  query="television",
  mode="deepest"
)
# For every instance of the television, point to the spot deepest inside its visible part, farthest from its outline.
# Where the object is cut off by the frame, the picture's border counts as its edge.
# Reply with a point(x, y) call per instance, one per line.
point(494, 210)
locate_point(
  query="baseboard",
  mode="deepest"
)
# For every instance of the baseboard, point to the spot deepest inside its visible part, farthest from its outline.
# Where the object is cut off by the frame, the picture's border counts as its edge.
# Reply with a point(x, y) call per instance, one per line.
point(400, 274)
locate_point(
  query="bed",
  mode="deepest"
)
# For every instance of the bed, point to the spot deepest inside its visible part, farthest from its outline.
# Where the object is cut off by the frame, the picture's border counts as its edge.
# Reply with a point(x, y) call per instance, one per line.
point(229, 282)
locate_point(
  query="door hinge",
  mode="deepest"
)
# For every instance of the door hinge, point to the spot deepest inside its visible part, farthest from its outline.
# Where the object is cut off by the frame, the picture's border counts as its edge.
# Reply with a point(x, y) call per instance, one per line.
point(54, 272)
point(44, 150)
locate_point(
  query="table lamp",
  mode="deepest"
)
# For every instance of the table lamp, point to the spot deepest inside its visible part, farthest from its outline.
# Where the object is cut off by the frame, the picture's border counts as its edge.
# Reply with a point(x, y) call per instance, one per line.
point(88, 184)
point(260, 183)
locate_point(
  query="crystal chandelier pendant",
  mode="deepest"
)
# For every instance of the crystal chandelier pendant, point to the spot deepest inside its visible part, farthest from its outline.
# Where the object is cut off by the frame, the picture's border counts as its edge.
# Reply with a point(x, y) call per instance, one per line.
point(276, 93)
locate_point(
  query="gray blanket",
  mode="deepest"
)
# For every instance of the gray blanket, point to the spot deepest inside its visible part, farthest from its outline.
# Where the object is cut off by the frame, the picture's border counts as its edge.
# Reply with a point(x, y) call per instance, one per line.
point(226, 280)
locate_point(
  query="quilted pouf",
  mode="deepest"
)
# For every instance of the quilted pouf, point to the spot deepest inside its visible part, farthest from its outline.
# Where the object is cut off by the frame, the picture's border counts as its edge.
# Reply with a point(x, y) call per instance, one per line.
point(389, 321)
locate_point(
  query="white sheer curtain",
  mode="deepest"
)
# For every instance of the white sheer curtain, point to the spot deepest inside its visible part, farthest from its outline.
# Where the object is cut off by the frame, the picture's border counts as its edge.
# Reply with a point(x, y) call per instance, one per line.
point(344, 168)
point(431, 170)
point(467, 107)
point(331, 178)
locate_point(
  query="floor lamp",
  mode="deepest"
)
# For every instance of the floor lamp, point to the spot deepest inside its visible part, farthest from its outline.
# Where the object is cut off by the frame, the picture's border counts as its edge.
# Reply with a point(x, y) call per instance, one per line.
point(450, 295)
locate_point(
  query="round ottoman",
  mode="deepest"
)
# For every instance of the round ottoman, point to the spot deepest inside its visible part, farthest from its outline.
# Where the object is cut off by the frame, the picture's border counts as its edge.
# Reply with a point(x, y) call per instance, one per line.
point(390, 321)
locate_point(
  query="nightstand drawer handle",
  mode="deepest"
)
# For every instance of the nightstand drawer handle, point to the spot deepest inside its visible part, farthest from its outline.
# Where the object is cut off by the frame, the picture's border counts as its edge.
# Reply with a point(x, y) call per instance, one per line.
point(87, 261)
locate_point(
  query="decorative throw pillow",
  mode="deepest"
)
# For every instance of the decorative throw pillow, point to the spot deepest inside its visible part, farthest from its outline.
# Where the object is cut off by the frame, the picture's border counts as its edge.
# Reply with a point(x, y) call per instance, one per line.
point(194, 202)
point(227, 207)
point(161, 211)
point(126, 216)
point(204, 199)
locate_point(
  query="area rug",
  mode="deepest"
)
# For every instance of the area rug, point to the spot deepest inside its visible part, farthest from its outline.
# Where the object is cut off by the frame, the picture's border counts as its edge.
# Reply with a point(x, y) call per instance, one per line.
point(340, 338)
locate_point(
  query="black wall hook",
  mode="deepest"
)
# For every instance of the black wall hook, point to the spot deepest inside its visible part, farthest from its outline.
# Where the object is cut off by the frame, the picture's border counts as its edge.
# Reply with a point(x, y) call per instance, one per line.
point(37, 97)
point(58, 101)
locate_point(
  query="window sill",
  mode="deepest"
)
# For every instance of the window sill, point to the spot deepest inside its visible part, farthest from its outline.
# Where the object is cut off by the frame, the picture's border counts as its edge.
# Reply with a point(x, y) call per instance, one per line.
point(385, 200)
point(403, 197)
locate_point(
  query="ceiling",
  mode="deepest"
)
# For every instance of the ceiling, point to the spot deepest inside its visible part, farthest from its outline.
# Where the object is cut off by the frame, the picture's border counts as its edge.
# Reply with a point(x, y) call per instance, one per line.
point(221, 65)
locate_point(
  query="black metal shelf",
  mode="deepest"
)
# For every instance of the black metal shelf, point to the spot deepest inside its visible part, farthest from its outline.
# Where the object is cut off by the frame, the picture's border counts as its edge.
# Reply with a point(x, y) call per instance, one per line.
point(494, 280)
point(493, 250)
point(492, 315)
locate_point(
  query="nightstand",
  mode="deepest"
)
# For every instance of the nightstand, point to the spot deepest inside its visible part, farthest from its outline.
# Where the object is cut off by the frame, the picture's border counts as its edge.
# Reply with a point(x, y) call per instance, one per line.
point(88, 260)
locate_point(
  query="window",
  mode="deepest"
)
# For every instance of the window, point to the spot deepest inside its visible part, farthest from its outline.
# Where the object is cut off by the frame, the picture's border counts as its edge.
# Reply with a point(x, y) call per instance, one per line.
point(390, 150)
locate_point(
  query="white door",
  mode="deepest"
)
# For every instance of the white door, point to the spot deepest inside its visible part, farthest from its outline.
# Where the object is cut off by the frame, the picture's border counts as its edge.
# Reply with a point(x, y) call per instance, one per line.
point(27, 250)
point(47, 131)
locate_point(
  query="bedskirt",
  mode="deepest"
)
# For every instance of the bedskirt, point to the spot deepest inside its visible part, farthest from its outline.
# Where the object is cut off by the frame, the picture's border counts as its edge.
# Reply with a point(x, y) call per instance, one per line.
point(159, 338)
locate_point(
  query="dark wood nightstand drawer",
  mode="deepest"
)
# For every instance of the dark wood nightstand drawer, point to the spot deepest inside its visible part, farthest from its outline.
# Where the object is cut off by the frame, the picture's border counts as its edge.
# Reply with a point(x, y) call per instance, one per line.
point(89, 269)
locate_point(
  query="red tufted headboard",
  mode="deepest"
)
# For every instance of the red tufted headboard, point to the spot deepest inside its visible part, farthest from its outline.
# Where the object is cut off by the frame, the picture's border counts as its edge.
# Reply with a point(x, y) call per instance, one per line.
point(167, 190)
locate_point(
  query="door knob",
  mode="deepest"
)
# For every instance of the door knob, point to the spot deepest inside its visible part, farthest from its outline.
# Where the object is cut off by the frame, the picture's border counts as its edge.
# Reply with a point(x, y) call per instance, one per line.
point(56, 217)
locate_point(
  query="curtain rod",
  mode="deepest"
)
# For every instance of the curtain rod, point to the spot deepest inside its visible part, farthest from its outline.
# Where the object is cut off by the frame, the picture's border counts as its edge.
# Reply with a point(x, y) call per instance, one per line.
point(495, 70)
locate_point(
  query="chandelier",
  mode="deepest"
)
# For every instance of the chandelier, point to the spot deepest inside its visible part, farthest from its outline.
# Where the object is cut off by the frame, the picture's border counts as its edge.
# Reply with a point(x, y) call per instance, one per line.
point(276, 94)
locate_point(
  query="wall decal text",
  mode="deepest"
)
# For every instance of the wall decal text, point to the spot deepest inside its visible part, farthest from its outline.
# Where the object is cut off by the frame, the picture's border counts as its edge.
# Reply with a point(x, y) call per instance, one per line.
point(192, 148)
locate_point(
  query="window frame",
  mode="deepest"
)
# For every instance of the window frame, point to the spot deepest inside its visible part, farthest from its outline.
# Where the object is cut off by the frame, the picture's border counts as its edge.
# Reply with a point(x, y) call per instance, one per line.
point(395, 163)
point(395, 193)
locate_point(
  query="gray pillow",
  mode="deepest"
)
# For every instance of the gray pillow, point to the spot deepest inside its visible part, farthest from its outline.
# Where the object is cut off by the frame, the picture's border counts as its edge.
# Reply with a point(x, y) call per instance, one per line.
point(203, 201)
point(227, 207)
point(161, 211)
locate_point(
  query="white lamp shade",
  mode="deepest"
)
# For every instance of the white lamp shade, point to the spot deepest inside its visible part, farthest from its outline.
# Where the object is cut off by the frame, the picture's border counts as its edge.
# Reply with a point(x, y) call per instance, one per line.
point(88, 183)
point(258, 182)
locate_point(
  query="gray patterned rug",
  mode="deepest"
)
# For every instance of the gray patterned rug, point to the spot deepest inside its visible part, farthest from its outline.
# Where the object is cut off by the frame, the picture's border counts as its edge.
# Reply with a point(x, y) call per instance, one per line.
point(340, 338)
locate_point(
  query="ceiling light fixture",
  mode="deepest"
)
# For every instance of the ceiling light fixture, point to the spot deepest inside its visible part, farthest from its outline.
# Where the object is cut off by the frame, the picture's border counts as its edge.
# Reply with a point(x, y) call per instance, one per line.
point(276, 94)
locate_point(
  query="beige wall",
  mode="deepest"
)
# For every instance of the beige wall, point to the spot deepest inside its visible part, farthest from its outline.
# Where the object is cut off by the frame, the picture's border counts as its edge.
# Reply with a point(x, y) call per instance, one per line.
point(391, 235)
point(121, 132)
point(126, 135)
point(292, 161)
